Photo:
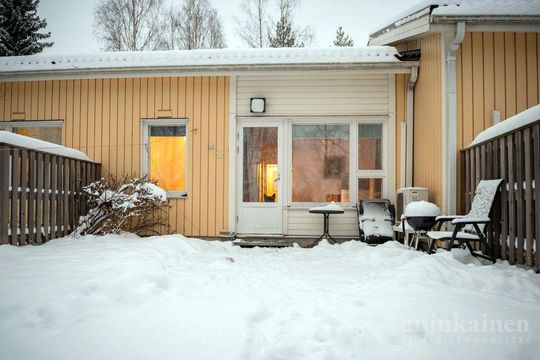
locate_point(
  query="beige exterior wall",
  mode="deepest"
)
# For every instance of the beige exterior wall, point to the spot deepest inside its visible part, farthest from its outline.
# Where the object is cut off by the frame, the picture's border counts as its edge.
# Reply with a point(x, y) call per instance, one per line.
point(427, 149)
point(322, 95)
point(102, 117)
point(495, 71)
point(329, 93)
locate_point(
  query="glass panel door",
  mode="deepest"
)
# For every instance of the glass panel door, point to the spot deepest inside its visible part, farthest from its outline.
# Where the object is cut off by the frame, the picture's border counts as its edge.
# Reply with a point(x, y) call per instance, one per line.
point(260, 163)
point(260, 195)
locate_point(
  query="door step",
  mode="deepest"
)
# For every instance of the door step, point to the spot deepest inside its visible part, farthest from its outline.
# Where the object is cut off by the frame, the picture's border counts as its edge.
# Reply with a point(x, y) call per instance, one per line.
point(263, 242)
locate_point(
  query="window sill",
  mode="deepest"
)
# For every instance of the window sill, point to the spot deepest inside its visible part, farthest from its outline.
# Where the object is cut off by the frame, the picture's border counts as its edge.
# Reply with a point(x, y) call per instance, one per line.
point(176, 195)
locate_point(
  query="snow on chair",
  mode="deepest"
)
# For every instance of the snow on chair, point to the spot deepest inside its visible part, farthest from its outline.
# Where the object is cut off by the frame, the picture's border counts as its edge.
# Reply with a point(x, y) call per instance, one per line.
point(376, 220)
point(471, 227)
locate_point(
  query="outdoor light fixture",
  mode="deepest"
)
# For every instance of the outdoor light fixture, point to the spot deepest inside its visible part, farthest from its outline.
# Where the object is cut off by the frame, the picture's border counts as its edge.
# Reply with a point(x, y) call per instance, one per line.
point(258, 105)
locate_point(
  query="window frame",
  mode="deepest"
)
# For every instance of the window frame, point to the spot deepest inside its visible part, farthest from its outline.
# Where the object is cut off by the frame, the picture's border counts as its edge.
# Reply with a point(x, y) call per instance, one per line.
point(145, 153)
point(381, 173)
point(10, 125)
point(354, 172)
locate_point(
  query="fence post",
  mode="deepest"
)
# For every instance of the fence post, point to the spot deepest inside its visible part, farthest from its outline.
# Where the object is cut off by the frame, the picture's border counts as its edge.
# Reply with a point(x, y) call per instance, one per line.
point(4, 195)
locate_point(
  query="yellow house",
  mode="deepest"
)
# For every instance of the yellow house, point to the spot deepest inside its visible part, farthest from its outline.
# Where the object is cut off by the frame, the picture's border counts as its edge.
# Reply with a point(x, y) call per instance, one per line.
point(479, 64)
point(244, 141)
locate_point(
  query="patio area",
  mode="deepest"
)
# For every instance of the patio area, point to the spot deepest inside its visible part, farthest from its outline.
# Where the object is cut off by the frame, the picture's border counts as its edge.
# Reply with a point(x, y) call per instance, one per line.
point(171, 297)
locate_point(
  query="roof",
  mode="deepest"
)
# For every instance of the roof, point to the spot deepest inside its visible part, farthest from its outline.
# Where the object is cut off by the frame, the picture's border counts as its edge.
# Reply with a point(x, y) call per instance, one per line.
point(444, 11)
point(210, 59)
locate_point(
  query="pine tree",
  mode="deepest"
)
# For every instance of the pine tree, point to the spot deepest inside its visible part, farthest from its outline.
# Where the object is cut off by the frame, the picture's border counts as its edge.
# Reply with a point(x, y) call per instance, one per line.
point(342, 39)
point(20, 28)
point(285, 36)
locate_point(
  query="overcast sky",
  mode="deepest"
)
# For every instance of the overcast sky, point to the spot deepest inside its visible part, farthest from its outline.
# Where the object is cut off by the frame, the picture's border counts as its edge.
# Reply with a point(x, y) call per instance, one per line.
point(70, 21)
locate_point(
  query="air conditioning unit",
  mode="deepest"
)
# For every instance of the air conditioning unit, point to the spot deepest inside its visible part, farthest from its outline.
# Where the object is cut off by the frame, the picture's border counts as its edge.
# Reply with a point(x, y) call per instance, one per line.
point(406, 196)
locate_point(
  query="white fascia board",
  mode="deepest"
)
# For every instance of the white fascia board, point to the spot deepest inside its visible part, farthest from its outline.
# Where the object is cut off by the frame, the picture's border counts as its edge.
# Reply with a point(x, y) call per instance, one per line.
point(392, 67)
point(400, 33)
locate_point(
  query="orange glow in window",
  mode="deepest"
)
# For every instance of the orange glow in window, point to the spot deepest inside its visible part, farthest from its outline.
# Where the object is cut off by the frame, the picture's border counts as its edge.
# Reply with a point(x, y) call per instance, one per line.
point(168, 162)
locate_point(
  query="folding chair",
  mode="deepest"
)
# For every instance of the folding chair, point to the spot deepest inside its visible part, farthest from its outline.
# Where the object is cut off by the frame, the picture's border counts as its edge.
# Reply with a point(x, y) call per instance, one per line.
point(471, 227)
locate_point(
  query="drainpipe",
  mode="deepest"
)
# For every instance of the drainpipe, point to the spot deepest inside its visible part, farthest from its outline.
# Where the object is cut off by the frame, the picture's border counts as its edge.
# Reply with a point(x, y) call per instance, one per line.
point(451, 121)
point(410, 128)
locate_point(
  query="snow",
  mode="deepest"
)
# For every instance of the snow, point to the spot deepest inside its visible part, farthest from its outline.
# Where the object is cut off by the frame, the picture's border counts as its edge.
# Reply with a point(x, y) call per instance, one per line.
point(44, 146)
point(168, 297)
point(376, 220)
point(155, 191)
point(421, 208)
point(200, 58)
point(517, 121)
point(462, 8)
point(330, 207)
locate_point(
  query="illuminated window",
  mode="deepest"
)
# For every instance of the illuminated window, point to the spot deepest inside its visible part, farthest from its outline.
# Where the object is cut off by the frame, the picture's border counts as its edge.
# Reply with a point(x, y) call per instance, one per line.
point(166, 155)
point(50, 131)
point(320, 163)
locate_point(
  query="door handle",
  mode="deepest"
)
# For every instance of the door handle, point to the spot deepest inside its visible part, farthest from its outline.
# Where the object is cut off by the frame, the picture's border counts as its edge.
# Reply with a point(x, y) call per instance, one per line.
point(278, 178)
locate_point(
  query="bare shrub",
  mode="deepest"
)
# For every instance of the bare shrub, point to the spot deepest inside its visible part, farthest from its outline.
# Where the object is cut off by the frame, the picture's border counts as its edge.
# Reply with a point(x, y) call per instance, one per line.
point(125, 204)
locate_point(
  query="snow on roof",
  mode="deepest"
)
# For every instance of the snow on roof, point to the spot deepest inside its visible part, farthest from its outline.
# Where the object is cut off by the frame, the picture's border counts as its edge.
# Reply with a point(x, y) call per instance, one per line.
point(10, 138)
point(515, 122)
point(449, 8)
point(200, 58)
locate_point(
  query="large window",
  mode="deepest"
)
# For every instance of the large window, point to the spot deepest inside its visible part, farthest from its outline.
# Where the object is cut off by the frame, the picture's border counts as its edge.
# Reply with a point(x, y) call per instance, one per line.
point(165, 159)
point(50, 131)
point(371, 170)
point(320, 163)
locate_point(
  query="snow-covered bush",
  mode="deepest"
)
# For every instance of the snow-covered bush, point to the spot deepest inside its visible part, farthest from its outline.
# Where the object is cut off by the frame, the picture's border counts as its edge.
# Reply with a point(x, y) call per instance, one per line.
point(117, 205)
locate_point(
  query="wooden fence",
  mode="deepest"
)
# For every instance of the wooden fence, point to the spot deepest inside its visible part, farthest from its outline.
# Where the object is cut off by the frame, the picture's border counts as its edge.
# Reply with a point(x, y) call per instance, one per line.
point(40, 194)
point(514, 157)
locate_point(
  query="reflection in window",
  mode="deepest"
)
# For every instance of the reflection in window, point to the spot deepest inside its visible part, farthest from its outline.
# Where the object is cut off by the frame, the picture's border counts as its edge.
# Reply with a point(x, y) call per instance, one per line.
point(260, 164)
point(369, 146)
point(167, 157)
point(320, 163)
point(50, 134)
point(369, 188)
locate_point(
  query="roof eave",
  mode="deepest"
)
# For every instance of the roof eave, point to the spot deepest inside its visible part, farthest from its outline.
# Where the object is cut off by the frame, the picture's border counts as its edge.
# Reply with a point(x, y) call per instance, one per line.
point(394, 66)
point(486, 19)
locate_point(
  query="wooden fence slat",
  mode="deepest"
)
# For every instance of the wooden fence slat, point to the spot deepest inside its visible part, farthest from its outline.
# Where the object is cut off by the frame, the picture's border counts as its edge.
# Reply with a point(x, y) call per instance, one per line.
point(511, 200)
point(529, 215)
point(4, 194)
point(497, 215)
point(23, 208)
point(31, 197)
point(59, 198)
point(504, 197)
point(46, 196)
point(39, 198)
point(15, 171)
point(65, 217)
point(536, 162)
point(520, 216)
point(54, 188)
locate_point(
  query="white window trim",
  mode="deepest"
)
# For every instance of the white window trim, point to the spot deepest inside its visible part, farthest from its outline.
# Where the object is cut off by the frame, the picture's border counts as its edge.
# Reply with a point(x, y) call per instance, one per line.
point(354, 172)
point(146, 123)
point(378, 173)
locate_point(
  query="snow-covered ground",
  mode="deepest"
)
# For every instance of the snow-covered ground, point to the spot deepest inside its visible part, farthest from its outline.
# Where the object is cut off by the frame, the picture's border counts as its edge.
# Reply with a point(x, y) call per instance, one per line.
point(176, 298)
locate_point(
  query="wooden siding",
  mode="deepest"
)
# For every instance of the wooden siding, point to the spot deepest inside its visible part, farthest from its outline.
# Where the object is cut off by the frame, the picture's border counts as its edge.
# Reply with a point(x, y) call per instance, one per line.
point(102, 117)
point(495, 71)
point(331, 93)
point(427, 149)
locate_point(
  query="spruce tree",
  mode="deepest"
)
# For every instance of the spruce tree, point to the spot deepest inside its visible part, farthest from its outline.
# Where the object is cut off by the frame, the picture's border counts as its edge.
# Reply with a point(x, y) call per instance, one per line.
point(20, 28)
point(285, 36)
point(342, 39)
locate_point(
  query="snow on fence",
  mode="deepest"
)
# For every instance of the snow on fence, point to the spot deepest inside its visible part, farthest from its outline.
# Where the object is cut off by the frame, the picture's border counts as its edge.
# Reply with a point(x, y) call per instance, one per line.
point(40, 192)
point(515, 157)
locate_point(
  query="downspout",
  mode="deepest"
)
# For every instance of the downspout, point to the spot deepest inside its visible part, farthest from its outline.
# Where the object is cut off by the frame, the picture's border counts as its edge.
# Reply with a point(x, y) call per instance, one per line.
point(451, 121)
point(410, 128)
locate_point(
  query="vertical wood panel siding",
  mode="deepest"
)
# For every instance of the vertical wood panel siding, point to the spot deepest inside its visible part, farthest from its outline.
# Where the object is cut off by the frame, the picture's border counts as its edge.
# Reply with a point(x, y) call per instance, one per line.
point(102, 118)
point(427, 149)
point(495, 71)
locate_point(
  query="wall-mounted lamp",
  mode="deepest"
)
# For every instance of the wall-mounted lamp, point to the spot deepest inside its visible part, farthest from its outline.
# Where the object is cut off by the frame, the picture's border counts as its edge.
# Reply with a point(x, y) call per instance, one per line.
point(257, 105)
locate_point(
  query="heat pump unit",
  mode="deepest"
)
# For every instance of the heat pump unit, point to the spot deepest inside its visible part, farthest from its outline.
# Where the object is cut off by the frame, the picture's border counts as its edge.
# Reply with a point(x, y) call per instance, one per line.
point(407, 195)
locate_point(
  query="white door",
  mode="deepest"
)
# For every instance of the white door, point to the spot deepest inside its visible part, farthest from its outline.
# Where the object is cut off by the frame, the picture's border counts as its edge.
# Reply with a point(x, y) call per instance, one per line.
point(260, 195)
